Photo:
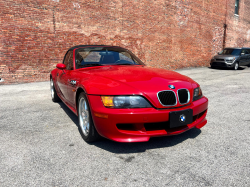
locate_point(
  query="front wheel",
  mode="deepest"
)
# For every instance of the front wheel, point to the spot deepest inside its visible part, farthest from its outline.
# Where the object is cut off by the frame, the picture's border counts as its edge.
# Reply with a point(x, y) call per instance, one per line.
point(87, 128)
point(236, 65)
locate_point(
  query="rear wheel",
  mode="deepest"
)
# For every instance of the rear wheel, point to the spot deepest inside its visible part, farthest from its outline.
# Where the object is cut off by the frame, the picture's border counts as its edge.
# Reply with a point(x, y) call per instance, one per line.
point(54, 95)
point(87, 127)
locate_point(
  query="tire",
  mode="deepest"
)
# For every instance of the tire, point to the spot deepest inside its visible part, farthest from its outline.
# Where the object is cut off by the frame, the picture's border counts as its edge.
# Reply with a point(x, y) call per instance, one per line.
point(236, 65)
point(86, 124)
point(53, 92)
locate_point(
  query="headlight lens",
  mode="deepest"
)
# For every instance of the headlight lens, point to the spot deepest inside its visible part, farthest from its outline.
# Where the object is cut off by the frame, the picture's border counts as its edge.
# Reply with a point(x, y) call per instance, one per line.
point(197, 94)
point(230, 60)
point(125, 102)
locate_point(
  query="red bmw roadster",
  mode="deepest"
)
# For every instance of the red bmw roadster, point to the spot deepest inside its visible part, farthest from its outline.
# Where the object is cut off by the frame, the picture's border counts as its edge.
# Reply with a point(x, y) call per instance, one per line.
point(116, 96)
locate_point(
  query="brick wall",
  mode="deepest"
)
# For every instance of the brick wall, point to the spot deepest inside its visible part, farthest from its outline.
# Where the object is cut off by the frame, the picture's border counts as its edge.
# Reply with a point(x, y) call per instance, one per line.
point(35, 34)
point(238, 31)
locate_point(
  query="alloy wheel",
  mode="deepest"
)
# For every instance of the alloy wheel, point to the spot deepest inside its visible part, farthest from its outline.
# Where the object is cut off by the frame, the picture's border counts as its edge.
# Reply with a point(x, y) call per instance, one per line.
point(52, 89)
point(84, 117)
point(236, 66)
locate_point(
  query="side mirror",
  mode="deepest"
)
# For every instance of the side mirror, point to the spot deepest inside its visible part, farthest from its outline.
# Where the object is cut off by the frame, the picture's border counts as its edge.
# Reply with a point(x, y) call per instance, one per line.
point(242, 54)
point(61, 66)
point(218, 53)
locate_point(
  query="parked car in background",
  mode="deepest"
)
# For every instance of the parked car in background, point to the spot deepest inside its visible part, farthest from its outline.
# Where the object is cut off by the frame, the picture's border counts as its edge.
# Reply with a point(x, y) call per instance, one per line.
point(115, 95)
point(231, 58)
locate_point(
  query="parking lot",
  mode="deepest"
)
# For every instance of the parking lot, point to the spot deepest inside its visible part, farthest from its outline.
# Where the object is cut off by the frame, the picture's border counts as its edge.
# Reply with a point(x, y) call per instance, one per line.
point(40, 144)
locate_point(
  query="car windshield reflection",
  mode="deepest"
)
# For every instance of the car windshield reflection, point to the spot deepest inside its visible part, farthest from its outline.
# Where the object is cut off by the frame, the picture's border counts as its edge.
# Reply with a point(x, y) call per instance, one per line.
point(87, 57)
point(230, 52)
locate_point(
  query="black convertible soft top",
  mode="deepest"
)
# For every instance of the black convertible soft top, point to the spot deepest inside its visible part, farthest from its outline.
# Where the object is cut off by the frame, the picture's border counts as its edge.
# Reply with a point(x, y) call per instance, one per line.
point(80, 46)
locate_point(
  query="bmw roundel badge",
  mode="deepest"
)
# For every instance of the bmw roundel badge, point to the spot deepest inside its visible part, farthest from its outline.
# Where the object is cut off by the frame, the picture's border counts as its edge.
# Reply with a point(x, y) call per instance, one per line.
point(171, 86)
point(182, 118)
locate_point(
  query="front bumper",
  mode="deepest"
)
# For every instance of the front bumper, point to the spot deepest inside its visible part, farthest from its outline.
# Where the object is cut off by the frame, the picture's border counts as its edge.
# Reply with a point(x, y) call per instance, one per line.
point(221, 64)
point(138, 125)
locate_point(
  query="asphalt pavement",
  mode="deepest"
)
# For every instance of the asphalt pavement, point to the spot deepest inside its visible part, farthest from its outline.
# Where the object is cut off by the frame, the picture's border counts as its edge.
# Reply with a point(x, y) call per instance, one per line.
point(40, 144)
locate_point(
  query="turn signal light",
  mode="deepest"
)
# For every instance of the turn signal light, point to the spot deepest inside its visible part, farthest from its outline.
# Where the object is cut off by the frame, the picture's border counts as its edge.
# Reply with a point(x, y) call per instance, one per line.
point(108, 101)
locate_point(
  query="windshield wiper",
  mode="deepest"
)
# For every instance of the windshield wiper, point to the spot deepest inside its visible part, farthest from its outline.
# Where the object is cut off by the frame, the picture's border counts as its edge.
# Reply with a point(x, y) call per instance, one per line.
point(123, 64)
point(84, 65)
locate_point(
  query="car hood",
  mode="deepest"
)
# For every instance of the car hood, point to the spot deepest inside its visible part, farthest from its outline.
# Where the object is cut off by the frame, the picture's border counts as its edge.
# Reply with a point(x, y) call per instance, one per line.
point(132, 80)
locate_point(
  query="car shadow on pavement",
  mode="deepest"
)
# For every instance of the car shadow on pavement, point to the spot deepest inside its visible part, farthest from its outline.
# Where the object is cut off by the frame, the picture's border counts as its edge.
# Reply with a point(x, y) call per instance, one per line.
point(72, 116)
point(123, 148)
point(153, 143)
point(221, 68)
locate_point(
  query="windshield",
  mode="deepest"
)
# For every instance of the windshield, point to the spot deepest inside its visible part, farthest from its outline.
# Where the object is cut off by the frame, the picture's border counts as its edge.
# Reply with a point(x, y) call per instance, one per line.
point(98, 56)
point(230, 52)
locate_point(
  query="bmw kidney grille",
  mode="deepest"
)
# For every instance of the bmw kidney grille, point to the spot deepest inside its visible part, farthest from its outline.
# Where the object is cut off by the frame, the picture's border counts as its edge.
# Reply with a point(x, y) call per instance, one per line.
point(168, 97)
point(183, 96)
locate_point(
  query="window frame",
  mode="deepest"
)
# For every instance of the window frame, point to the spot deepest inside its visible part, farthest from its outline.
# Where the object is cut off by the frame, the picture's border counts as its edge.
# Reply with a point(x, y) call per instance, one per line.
point(237, 4)
point(245, 51)
point(68, 57)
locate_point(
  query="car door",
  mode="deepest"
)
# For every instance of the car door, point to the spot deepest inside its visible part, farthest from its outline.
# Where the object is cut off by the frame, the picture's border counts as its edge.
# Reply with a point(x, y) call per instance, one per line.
point(63, 76)
point(72, 81)
point(248, 57)
point(243, 58)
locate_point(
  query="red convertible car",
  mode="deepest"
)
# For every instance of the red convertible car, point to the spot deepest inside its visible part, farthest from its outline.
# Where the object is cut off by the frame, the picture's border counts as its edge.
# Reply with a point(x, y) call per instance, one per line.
point(116, 96)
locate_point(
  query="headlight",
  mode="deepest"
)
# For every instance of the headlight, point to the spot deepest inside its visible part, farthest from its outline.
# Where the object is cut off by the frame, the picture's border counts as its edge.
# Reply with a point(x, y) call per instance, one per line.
point(125, 102)
point(230, 60)
point(197, 94)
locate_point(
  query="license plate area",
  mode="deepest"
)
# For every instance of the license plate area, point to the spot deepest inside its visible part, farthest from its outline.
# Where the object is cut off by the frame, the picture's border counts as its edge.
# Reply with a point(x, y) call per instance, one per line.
point(180, 118)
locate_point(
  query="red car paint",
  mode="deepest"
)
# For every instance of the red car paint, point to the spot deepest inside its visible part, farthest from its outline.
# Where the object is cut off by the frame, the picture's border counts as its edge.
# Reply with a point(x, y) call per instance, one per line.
point(111, 80)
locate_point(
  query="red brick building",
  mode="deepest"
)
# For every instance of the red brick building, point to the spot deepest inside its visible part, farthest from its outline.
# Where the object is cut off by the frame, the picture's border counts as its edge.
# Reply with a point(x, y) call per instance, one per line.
point(169, 34)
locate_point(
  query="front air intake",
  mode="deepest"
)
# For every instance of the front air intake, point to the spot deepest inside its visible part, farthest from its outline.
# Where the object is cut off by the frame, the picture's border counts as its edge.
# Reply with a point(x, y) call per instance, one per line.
point(167, 98)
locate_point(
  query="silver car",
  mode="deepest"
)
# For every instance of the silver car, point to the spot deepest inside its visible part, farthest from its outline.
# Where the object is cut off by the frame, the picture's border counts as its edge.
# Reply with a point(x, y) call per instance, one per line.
point(231, 58)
